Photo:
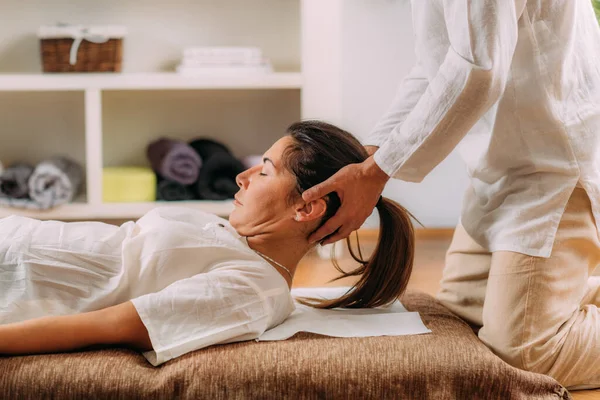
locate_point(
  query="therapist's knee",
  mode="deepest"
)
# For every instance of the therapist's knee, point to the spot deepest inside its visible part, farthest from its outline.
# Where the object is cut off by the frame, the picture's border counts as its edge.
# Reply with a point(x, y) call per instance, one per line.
point(467, 304)
point(508, 342)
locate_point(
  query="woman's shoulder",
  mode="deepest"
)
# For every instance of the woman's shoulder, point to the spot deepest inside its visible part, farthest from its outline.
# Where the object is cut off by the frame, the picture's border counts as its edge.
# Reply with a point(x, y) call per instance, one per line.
point(269, 284)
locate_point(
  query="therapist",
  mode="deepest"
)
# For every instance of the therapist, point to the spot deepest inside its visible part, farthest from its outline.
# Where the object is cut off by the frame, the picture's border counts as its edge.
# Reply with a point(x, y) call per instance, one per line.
point(522, 77)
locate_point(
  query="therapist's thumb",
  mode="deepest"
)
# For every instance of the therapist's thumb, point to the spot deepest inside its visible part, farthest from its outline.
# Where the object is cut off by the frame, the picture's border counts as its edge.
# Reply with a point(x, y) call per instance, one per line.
point(318, 191)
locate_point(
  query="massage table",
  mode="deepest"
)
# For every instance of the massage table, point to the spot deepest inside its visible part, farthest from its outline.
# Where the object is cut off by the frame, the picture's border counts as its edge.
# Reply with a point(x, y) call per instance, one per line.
point(448, 363)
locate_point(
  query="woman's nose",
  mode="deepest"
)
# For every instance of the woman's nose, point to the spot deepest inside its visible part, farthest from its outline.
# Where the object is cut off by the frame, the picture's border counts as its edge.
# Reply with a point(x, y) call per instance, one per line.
point(239, 179)
point(242, 178)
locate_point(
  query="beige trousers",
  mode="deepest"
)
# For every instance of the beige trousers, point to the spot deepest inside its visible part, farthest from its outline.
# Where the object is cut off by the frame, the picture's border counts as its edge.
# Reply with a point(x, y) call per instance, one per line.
point(537, 314)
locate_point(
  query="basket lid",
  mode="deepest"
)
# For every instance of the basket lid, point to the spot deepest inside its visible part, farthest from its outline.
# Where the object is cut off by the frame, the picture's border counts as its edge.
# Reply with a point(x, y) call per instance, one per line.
point(59, 31)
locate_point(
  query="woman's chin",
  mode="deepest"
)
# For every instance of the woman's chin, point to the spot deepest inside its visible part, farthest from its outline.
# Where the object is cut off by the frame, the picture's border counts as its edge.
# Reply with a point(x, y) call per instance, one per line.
point(236, 219)
point(233, 218)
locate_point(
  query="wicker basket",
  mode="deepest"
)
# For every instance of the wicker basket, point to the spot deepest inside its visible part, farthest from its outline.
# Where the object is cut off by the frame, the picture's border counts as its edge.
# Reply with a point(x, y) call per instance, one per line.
point(68, 48)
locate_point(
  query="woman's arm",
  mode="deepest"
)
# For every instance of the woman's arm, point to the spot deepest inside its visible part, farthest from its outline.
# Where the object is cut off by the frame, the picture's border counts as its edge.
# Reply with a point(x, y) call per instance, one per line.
point(118, 324)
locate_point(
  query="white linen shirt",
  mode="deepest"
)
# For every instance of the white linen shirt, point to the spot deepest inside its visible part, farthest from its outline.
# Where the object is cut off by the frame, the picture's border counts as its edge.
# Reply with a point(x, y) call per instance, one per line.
point(522, 78)
point(191, 277)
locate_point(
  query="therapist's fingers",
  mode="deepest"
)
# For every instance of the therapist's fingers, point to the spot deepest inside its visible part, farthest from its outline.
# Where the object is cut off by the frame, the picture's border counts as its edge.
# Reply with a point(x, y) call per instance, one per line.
point(329, 227)
point(320, 190)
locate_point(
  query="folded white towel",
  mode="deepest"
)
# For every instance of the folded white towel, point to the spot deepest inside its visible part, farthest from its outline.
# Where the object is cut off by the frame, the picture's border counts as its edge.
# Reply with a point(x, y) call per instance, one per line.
point(221, 61)
point(238, 53)
point(225, 70)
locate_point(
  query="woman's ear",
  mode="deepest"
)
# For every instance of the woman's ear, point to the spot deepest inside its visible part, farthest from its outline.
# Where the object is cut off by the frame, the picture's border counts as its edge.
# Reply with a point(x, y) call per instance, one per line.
point(311, 211)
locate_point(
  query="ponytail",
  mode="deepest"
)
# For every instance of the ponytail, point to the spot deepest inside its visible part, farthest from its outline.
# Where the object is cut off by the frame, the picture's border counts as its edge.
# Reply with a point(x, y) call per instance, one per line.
point(384, 277)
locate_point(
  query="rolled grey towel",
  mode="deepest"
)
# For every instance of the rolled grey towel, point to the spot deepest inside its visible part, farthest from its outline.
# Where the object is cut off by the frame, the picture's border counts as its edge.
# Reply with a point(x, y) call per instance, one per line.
point(55, 181)
point(13, 181)
point(174, 160)
point(20, 203)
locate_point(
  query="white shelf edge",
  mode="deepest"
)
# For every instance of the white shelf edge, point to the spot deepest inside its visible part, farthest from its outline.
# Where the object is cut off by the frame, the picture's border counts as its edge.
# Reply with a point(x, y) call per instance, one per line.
point(86, 211)
point(146, 81)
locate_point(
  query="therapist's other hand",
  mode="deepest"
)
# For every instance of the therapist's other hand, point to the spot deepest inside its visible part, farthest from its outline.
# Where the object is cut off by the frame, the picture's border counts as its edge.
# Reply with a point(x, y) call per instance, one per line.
point(358, 187)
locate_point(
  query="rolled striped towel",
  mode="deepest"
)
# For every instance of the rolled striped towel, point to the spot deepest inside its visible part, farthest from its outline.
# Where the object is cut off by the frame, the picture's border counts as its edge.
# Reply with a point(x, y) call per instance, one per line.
point(174, 160)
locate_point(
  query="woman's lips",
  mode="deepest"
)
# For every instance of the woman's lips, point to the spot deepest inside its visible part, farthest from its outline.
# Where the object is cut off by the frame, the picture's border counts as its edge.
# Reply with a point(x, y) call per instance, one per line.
point(236, 202)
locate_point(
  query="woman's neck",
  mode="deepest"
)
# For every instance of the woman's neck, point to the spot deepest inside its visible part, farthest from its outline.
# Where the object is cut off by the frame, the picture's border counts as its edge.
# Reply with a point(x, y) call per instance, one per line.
point(286, 251)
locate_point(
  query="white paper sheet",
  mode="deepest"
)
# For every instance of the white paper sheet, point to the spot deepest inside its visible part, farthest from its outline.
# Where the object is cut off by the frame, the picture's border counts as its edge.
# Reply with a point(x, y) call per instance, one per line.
point(393, 320)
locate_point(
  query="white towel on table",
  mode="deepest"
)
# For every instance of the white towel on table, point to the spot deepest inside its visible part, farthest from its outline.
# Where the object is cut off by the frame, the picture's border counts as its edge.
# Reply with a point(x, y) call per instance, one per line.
point(393, 320)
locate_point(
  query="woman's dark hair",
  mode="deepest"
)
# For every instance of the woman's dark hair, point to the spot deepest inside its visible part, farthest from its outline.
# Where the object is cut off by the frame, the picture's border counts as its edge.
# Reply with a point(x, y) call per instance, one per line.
point(318, 151)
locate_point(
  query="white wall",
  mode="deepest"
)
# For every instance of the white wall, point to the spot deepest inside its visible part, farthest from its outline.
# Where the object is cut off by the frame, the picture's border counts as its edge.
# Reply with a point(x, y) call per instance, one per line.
point(377, 51)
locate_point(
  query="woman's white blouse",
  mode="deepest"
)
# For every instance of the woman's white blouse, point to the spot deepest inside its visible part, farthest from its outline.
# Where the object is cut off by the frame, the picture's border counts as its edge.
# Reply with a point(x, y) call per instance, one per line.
point(192, 279)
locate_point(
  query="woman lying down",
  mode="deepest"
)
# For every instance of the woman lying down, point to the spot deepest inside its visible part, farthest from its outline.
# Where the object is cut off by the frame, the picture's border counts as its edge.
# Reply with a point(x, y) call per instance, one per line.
point(178, 280)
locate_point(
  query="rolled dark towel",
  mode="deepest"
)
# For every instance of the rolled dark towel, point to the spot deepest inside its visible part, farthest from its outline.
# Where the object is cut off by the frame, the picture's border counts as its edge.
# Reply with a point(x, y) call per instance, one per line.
point(168, 190)
point(217, 177)
point(174, 160)
point(13, 181)
point(216, 180)
point(207, 148)
point(226, 185)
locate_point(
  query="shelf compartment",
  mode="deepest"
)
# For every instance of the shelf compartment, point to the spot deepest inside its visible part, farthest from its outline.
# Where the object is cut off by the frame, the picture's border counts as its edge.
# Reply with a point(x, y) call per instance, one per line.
point(247, 122)
point(35, 126)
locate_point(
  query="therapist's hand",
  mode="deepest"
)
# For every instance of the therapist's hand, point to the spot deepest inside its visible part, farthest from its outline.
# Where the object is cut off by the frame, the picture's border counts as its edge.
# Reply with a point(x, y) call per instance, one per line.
point(359, 187)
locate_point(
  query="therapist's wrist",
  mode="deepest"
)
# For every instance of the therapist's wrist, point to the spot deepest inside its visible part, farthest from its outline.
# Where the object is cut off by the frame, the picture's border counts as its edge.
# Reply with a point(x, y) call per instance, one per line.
point(374, 171)
point(371, 149)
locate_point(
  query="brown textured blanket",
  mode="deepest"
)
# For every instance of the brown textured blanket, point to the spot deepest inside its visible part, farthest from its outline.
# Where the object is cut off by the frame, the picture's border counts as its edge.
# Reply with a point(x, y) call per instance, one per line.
point(449, 363)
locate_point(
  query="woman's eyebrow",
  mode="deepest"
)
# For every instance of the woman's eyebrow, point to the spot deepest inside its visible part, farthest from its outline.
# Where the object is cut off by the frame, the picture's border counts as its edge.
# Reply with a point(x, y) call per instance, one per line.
point(265, 159)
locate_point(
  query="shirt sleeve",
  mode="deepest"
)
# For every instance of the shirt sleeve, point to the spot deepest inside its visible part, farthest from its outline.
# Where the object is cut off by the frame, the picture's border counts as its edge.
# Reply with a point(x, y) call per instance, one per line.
point(408, 94)
point(472, 77)
point(211, 308)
